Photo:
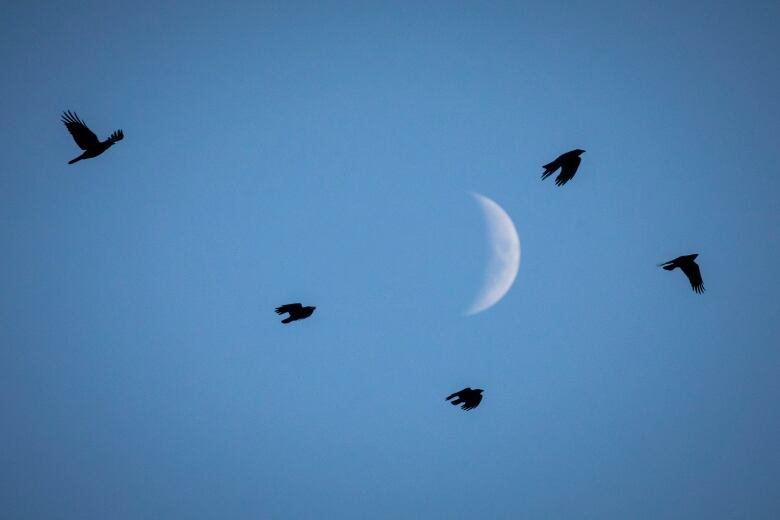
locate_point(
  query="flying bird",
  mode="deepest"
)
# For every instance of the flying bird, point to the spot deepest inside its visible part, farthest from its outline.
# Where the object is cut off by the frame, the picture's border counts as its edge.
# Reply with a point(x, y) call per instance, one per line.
point(689, 267)
point(567, 162)
point(86, 138)
point(468, 397)
point(296, 310)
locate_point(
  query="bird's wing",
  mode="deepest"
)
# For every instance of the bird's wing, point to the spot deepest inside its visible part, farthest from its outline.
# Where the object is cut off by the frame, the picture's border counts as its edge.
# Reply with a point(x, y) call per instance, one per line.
point(550, 168)
point(691, 270)
point(458, 393)
point(290, 307)
point(670, 265)
point(84, 137)
point(568, 169)
point(473, 402)
point(117, 136)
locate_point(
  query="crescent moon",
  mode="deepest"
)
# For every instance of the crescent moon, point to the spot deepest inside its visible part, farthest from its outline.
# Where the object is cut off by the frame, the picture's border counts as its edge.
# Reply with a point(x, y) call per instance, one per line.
point(504, 262)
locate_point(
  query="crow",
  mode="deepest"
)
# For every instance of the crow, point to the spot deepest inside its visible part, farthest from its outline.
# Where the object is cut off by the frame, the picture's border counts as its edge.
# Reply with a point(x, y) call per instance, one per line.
point(86, 139)
point(296, 310)
point(567, 162)
point(470, 398)
point(689, 268)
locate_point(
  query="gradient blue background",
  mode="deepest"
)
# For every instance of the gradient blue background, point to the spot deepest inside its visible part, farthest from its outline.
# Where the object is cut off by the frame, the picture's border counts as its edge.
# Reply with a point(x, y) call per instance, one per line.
point(324, 154)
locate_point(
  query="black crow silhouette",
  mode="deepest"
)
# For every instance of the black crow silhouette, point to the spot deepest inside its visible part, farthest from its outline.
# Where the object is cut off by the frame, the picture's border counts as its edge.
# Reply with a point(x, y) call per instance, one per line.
point(690, 268)
point(567, 162)
point(296, 310)
point(470, 398)
point(86, 139)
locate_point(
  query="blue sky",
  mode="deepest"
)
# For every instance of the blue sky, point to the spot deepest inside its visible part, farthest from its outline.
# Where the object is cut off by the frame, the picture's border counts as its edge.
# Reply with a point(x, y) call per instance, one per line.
point(325, 154)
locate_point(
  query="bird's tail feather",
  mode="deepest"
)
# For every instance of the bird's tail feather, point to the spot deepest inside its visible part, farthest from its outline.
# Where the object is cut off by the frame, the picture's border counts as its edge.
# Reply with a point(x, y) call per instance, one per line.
point(287, 320)
point(74, 160)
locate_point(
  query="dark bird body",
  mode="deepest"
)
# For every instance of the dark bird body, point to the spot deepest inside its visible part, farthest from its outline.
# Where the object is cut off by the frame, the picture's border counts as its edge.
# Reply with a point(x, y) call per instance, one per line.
point(296, 311)
point(690, 268)
point(567, 162)
point(86, 139)
point(467, 397)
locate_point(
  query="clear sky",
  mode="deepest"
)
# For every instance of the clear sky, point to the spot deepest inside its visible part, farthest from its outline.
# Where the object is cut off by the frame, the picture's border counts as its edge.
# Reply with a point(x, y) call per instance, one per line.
point(325, 153)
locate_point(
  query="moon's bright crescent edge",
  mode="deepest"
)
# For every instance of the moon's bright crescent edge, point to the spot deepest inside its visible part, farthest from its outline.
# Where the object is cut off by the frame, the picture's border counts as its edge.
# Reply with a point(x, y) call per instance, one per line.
point(504, 261)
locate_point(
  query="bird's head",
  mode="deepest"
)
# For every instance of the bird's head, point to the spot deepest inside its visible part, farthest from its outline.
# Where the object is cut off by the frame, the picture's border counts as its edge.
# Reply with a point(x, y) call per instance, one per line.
point(311, 308)
point(579, 152)
point(478, 390)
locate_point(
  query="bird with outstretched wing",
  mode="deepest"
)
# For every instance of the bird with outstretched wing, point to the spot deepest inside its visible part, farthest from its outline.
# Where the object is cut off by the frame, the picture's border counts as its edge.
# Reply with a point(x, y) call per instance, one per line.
point(86, 138)
point(567, 162)
point(690, 268)
point(296, 312)
point(468, 398)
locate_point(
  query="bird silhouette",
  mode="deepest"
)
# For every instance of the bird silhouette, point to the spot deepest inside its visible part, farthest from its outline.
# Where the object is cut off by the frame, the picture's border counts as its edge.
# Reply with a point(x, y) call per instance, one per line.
point(296, 312)
point(467, 397)
point(86, 138)
point(690, 268)
point(567, 162)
